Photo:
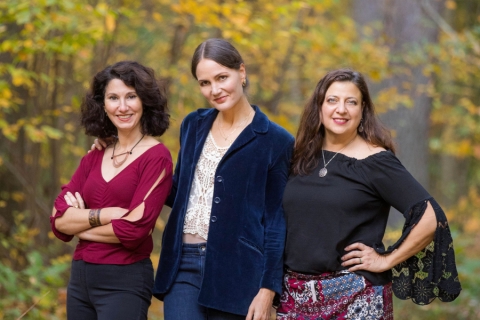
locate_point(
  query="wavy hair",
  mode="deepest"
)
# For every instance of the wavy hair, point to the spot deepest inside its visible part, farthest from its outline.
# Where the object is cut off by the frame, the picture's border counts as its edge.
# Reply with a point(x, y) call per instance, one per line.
point(311, 131)
point(155, 118)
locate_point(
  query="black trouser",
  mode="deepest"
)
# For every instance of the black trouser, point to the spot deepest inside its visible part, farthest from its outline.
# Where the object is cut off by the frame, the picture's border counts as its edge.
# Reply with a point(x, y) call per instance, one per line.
point(106, 291)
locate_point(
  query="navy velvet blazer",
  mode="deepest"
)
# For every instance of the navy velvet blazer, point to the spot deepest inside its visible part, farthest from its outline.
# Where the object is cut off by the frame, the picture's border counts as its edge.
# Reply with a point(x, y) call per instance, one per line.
point(246, 237)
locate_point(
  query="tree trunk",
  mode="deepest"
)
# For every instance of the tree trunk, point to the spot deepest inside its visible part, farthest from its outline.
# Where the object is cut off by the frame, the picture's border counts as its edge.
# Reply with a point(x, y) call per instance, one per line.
point(405, 27)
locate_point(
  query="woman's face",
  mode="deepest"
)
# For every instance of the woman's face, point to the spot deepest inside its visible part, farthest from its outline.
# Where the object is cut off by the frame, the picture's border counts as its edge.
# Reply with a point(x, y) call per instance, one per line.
point(342, 109)
point(221, 86)
point(123, 106)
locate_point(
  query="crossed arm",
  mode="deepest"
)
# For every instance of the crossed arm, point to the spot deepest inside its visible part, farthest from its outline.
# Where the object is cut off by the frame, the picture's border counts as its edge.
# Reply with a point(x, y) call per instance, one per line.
point(75, 220)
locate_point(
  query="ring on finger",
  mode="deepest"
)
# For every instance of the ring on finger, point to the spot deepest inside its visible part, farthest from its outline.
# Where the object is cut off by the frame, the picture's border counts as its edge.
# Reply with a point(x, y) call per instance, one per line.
point(360, 260)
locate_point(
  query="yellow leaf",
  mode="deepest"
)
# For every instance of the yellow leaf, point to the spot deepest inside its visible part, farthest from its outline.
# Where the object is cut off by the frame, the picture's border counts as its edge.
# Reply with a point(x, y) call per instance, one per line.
point(464, 148)
point(184, 79)
point(18, 196)
point(67, 109)
point(18, 79)
point(110, 22)
point(28, 43)
point(157, 16)
point(29, 27)
point(451, 5)
point(102, 7)
point(69, 127)
point(472, 226)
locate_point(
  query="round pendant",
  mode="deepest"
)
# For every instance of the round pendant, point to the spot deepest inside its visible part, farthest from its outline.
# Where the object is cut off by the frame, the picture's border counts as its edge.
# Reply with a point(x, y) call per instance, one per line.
point(322, 173)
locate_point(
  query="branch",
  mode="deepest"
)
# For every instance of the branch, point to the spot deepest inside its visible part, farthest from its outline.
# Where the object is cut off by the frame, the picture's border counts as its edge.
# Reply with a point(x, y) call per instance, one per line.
point(23, 181)
point(272, 104)
point(33, 305)
point(445, 27)
point(437, 18)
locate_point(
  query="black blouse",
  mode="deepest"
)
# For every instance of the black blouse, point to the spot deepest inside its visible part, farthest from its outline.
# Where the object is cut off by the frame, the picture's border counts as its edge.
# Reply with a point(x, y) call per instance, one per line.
point(351, 204)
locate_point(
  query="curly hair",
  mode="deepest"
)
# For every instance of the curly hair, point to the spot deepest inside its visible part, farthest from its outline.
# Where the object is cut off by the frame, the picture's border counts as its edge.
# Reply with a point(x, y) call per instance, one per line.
point(155, 119)
point(311, 131)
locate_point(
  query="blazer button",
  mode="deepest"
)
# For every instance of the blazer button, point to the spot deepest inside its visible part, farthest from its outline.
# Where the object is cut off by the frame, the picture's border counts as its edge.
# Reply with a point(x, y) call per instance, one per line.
point(219, 179)
point(216, 200)
point(213, 218)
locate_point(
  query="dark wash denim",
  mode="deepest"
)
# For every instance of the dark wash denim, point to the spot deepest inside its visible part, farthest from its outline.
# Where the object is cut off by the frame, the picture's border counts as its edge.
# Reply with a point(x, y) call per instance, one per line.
point(106, 291)
point(181, 302)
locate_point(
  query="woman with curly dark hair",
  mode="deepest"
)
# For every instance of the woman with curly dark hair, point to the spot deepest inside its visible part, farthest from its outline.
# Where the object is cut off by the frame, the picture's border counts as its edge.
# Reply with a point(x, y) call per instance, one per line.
point(115, 196)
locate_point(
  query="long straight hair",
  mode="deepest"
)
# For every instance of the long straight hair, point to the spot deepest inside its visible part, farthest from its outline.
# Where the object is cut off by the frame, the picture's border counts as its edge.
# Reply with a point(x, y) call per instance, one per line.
point(311, 131)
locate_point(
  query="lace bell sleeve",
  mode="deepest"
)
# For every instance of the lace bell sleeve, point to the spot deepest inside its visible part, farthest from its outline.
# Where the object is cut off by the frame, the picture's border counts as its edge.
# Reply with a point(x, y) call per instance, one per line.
point(432, 272)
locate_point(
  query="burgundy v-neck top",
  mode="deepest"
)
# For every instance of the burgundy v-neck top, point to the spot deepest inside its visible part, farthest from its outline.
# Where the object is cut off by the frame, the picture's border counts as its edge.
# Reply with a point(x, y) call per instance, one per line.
point(126, 190)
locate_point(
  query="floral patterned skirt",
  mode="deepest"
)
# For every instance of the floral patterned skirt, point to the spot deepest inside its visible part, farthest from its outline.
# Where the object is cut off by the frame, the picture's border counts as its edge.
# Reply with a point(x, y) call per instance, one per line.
point(333, 295)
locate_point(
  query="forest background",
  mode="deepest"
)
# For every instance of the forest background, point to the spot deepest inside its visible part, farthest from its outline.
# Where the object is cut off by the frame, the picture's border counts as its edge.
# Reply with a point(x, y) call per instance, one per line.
point(422, 60)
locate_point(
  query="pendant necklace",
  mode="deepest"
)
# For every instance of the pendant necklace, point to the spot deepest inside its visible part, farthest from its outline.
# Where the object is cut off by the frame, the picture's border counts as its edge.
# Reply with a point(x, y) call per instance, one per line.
point(116, 163)
point(323, 172)
point(235, 129)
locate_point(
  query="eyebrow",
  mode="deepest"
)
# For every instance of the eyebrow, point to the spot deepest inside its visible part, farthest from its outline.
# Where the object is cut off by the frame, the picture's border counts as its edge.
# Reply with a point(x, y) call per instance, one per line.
point(335, 96)
point(128, 92)
point(215, 76)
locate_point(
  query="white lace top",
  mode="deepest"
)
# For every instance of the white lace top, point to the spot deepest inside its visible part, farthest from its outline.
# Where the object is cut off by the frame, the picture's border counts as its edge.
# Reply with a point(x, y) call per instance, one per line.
point(197, 219)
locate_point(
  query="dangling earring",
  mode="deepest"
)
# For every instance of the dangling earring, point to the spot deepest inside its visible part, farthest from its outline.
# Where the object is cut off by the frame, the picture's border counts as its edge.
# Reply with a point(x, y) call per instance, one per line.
point(360, 127)
point(244, 83)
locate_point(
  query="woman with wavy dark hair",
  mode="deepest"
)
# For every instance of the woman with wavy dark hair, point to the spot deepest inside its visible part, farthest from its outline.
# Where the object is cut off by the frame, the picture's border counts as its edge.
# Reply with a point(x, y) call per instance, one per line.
point(344, 178)
point(114, 198)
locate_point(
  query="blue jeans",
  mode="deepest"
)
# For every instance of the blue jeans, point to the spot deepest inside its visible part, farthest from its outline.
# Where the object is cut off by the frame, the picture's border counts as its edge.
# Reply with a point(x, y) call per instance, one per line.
point(181, 301)
point(109, 291)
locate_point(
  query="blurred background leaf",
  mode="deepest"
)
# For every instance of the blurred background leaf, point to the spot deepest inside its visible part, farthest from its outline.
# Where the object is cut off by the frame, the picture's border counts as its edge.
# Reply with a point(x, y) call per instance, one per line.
point(422, 59)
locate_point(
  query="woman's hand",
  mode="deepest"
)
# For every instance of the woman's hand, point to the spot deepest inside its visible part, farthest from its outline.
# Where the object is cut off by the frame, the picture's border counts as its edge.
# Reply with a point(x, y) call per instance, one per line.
point(75, 201)
point(261, 305)
point(100, 144)
point(106, 214)
point(363, 257)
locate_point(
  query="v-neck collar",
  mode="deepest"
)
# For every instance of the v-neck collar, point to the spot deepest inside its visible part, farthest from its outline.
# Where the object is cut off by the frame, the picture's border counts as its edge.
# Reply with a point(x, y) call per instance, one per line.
point(126, 167)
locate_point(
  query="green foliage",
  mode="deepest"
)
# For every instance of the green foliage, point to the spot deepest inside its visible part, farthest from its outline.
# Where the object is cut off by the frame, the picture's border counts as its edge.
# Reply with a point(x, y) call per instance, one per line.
point(33, 281)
